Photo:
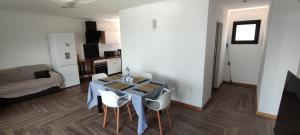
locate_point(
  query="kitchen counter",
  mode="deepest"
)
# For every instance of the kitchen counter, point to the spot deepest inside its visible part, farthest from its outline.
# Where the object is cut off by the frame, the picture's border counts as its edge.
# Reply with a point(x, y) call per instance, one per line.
point(105, 59)
point(100, 58)
point(87, 66)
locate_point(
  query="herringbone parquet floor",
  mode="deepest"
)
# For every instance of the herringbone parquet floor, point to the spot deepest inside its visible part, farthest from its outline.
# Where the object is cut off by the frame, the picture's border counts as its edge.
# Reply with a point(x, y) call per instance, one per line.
point(230, 112)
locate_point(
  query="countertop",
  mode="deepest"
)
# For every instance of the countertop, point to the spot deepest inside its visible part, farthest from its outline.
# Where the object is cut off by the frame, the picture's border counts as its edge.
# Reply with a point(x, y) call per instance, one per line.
point(100, 58)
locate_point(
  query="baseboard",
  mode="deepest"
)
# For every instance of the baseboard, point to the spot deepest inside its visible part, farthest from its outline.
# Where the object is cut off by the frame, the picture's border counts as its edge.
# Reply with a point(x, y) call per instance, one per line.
point(205, 105)
point(256, 100)
point(195, 108)
point(241, 84)
point(266, 115)
point(221, 85)
point(261, 114)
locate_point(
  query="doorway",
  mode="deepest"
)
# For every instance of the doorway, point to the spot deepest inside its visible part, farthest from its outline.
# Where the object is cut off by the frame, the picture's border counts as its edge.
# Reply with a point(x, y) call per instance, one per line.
point(218, 43)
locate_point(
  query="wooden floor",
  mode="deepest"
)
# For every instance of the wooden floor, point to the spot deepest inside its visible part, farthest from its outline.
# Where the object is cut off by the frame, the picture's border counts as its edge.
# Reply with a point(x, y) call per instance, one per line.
point(230, 112)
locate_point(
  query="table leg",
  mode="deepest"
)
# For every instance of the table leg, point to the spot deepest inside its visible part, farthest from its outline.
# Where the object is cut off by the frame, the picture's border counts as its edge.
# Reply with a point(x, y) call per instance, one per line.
point(100, 109)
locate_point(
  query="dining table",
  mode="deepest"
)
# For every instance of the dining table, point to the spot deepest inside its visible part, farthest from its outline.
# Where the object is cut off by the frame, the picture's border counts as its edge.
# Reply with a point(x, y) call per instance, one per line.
point(137, 96)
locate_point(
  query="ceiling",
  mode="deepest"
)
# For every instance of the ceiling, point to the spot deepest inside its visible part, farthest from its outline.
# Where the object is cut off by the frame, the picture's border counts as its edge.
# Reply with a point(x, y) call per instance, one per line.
point(101, 9)
point(237, 4)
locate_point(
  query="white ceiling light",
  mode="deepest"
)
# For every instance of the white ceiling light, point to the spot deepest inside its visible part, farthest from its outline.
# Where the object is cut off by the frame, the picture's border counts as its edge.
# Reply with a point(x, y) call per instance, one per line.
point(73, 3)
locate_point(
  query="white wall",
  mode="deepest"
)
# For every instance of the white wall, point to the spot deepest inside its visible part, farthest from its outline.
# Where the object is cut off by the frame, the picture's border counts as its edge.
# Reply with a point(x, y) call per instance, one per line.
point(282, 53)
point(299, 70)
point(224, 18)
point(246, 59)
point(175, 50)
point(104, 25)
point(214, 15)
point(23, 37)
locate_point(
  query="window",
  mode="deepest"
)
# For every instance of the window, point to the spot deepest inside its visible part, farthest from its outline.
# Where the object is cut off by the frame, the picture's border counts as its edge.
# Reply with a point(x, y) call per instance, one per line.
point(245, 32)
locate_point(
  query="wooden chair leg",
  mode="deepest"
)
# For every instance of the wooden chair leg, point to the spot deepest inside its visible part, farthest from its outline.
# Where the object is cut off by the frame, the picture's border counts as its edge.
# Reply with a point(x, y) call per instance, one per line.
point(159, 123)
point(118, 119)
point(129, 112)
point(169, 117)
point(105, 116)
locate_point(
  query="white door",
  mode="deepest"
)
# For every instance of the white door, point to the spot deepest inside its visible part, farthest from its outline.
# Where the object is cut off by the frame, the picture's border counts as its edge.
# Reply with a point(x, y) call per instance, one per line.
point(65, 44)
point(70, 75)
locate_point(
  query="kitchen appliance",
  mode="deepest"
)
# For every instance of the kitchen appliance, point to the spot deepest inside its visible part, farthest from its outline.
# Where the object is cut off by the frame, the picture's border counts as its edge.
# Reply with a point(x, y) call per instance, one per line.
point(63, 57)
point(91, 51)
point(119, 52)
point(90, 26)
point(112, 53)
point(101, 68)
point(92, 35)
point(109, 53)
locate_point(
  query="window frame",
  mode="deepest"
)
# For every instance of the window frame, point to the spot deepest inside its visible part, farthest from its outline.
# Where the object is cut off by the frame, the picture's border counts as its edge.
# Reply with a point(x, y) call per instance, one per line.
point(257, 31)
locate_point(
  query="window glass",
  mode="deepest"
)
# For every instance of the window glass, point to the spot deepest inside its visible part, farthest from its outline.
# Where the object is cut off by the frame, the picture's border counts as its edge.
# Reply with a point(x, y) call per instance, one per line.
point(245, 32)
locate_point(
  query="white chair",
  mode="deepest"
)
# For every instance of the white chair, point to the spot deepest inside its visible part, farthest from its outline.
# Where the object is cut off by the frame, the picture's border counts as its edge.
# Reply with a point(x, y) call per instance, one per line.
point(143, 75)
point(112, 100)
point(161, 103)
point(98, 76)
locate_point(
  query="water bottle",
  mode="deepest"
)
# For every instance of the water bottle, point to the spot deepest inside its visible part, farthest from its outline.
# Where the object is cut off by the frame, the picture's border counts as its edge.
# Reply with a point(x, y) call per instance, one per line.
point(127, 75)
point(127, 72)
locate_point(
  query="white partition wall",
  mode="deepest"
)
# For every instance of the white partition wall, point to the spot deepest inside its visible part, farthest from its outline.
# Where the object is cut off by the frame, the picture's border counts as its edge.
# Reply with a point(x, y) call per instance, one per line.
point(23, 37)
point(168, 39)
point(299, 69)
point(282, 53)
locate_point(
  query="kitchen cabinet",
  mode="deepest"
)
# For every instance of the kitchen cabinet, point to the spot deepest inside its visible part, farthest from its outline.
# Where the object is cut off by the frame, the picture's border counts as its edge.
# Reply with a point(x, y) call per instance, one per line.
point(114, 65)
point(110, 37)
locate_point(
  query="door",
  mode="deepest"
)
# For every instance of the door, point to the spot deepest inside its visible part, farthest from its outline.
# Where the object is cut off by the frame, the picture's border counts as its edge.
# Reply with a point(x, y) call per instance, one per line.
point(218, 43)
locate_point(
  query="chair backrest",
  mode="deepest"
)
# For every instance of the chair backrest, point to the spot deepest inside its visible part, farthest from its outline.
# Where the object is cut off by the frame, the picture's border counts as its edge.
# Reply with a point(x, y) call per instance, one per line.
point(109, 98)
point(144, 75)
point(98, 76)
point(165, 98)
